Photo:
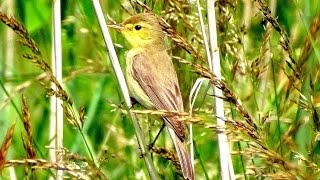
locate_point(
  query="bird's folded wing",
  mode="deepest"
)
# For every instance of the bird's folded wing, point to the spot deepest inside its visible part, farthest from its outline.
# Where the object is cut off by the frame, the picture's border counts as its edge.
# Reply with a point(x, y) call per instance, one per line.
point(163, 92)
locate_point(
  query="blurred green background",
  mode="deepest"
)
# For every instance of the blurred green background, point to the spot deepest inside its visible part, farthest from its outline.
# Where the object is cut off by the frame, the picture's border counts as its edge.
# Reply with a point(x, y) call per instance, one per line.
point(253, 65)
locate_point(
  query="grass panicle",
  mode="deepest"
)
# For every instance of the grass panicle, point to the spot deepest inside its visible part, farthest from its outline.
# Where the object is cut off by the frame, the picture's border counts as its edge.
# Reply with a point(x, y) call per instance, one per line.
point(168, 155)
point(5, 146)
point(39, 61)
point(270, 83)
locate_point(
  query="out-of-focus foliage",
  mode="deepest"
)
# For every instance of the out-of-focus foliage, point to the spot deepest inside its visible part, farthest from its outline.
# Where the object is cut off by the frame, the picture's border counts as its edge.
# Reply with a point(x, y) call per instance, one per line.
point(274, 80)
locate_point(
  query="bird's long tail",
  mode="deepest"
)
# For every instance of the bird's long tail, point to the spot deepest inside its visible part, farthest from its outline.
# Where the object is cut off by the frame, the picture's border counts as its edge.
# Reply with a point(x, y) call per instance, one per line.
point(183, 155)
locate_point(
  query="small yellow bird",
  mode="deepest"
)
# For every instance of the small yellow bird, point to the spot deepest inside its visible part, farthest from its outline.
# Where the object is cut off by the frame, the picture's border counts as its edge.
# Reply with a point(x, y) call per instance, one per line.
point(152, 79)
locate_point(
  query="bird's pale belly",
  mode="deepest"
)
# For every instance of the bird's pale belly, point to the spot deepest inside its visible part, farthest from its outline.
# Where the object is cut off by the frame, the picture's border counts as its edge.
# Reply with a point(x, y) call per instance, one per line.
point(134, 88)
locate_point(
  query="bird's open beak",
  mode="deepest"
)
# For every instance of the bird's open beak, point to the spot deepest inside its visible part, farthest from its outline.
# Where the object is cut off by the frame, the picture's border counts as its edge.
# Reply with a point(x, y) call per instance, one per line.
point(118, 27)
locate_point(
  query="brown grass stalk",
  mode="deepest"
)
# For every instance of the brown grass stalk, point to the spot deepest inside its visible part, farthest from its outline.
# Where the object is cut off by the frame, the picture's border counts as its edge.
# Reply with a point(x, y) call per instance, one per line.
point(284, 41)
point(228, 95)
point(39, 61)
point(28, 142)
point(5, 146)
point(43, 164)
point(168, 155)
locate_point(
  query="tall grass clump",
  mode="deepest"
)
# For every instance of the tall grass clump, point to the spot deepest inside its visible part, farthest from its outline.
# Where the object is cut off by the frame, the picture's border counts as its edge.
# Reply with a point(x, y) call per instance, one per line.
point(269, 52)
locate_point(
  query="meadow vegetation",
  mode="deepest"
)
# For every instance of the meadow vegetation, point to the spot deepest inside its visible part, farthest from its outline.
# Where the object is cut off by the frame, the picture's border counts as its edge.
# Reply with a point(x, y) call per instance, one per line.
point(270, 57)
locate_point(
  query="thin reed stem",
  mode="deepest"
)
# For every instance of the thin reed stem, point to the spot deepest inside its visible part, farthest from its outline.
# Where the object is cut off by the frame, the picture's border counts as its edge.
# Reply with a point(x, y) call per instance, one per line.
point(226, 166)
point(56, 103)
point(124, 89)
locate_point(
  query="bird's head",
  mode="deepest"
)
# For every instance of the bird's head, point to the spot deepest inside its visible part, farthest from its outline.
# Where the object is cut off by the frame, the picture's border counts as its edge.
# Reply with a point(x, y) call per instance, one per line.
point(142, 30)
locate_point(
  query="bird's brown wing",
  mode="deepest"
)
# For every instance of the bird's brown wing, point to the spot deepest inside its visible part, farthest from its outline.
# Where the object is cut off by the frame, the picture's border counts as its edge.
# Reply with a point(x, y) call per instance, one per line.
point(158, 80)
point(162, 89)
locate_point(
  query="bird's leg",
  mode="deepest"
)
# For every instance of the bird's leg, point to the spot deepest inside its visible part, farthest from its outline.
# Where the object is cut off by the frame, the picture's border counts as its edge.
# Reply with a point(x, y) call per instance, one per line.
point(154, 141)
point(133, 102)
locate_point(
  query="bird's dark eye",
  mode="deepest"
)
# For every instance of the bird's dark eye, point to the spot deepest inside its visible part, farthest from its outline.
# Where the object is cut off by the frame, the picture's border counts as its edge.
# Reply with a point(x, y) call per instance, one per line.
point(137, 27)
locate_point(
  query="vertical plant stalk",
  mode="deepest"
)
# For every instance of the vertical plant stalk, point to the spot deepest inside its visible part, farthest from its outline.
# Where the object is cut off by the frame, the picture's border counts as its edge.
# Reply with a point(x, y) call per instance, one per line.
point(224, 151)
point(8, 67)
point(124, 89)
point(192, 99)
point(9, 44)
point(204, 36)
point(56, 118)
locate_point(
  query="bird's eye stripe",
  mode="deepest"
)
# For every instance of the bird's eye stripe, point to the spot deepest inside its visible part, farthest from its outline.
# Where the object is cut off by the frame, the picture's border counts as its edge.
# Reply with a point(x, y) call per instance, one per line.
point(137, 27)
